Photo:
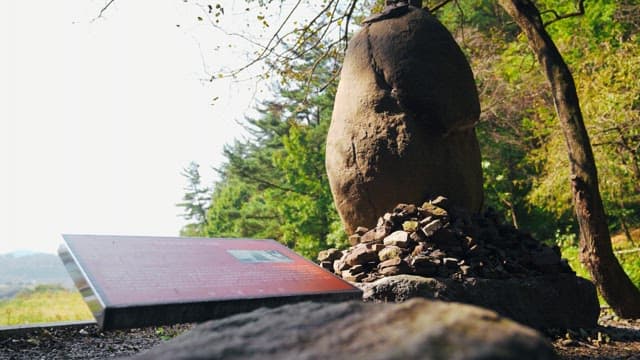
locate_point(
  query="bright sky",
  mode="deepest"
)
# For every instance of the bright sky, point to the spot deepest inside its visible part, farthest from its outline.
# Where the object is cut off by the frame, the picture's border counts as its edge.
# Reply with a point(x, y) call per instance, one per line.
point(97, 119)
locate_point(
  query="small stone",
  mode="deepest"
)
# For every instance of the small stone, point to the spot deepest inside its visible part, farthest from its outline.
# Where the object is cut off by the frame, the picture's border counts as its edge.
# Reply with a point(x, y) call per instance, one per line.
point(417, 236)
point(420, 260)
point(470, 242)
point(423, 265)
point(399, 238)
point(374, 235)
point(440, 201)
point(399, 208)
point(568, 342)
point(390, 262)
point(357, 269)
point(327, 265)
point(437, 253)
point(361, 255)
point(378, 247)
point(466, 269)
point(425, 269)
point(390, 252)
point(410, 226)
point(390, 271)
point(361, 230)
point(371, 277)
point(419, 249)
point(425, 220)
point(450, 262)
point(430, 228)
point(435, 211)
point(410, 210)
point(329, 255)
point(354, 239)
point(349, 276)
point(339, 266)
point(393, 267)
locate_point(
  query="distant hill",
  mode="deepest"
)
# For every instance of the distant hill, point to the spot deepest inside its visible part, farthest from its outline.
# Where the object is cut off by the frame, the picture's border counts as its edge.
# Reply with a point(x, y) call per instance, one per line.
point(24, 270)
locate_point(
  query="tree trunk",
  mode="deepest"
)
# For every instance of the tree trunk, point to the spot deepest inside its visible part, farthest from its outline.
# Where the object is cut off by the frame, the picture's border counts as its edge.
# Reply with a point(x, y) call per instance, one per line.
point(595, 241)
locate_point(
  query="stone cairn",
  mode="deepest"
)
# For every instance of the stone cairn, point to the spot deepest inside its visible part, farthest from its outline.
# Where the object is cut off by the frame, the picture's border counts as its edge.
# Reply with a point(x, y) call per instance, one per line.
point(433, 240)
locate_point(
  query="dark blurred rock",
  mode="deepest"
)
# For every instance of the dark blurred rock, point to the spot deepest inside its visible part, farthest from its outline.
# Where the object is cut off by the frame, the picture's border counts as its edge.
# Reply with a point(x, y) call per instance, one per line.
point(561, 301)
point(417, 329)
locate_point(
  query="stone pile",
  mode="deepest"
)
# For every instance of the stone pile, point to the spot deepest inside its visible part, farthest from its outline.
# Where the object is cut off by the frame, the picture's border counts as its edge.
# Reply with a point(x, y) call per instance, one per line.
point(436, 240)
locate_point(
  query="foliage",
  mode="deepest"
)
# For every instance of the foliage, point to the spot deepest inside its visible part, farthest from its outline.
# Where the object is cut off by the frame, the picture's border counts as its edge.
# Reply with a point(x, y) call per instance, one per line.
point(273, 183)
point(603, 67)
point(45, 303)
point(194, 202)
point(524, 158)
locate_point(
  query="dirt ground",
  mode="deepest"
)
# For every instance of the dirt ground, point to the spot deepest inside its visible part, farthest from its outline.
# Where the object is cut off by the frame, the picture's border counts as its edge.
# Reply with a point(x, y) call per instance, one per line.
point(614, 338)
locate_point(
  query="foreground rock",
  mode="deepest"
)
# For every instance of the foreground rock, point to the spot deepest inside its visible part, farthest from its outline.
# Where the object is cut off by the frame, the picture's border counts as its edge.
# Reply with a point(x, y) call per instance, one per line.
point(563, 302)
point(403, 121)
point(416, 329)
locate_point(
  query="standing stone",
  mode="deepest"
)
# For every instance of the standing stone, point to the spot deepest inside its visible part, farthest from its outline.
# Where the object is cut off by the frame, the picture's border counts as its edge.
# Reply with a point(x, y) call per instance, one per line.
point(403, 121)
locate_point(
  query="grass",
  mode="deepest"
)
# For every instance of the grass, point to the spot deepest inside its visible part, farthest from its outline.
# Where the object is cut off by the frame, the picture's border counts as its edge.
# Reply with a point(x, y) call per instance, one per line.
point(44, 304)
point(630, 261)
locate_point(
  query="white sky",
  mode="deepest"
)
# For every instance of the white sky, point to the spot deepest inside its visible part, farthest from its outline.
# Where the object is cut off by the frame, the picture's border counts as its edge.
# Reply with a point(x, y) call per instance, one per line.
point(98, 118)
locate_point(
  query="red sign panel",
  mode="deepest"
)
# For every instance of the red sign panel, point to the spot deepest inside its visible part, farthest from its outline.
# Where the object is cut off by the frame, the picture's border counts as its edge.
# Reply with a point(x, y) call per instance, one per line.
point(131, 270)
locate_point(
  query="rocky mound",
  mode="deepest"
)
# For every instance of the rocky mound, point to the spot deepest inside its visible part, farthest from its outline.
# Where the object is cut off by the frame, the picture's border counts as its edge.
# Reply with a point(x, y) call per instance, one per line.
point(434, 240)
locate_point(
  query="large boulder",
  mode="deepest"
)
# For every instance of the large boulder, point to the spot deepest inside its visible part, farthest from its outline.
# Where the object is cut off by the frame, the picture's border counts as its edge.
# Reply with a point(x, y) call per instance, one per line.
point(403, 121)
point(559, 301)
point(417, 329)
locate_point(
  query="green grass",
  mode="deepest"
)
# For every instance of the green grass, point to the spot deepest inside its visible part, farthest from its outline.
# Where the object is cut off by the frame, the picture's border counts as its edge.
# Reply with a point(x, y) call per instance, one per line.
point(630, 261)
point(44, 304)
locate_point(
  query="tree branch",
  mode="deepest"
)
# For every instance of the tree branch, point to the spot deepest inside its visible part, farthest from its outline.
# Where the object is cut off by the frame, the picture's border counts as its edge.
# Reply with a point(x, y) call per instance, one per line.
point(103, 10)
point(437, 7)
point(558, 17)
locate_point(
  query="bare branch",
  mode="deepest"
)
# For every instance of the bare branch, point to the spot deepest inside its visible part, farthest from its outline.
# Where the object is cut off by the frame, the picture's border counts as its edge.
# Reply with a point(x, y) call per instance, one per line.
point(103, 10)
point(558, 17)
point(268, 49)
point(437, 7)
point(348, 16)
